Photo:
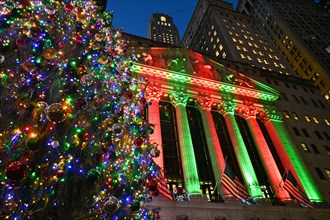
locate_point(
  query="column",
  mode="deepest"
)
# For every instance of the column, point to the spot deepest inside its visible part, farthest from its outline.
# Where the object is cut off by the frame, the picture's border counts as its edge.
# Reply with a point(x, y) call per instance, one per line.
point(288, 154)
point(192, 185)
point(244, 161)
point(273, 173)
point(153, 95)
point(213, 144)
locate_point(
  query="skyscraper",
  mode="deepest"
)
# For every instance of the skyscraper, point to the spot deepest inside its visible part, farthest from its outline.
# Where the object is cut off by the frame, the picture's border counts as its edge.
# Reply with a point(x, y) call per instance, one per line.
point(162, 29)
point(215, 29)
point(301, 31)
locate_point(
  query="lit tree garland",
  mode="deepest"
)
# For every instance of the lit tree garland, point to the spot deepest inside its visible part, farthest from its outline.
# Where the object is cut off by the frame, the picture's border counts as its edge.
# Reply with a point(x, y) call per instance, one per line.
point(73, 133)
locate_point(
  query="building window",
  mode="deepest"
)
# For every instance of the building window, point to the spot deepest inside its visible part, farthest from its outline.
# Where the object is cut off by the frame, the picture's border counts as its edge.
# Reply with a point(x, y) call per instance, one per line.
point(327, 149)
point(286, 114)
point(318, 135)
point(296, 99)
point(321, 104)
point(315, 120)
point(315, 149)
point(315, 104)
point(307, 118)
point(326, 135)
point(327, 121)
point(162, 18)
point(295, 116)
point(305, 132)
point(172, 159)
point(284, 96)
point(320, 173)
point(295, 130)
point(304, 147)
point(303, 100)
point(327, 172)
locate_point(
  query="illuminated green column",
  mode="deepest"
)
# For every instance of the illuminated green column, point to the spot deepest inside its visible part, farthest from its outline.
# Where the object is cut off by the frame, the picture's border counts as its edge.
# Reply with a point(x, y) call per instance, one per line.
point(289, 155)
point(213, 144)
point(192, 185)
point(244, 161)
point(153, 95)
point(273, 173)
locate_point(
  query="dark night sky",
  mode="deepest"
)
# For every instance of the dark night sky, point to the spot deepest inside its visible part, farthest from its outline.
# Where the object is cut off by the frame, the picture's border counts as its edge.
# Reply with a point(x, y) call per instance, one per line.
point(133, 15)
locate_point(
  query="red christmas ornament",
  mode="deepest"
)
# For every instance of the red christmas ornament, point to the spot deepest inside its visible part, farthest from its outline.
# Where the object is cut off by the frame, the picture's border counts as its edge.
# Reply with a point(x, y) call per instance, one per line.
point(78, 39)
point(129, 94)
point(157, 216)
point(61, 45)
point(60, 173)
point(15, 171)
point(68, 8)
point(113, 52)
point(20, 42)
point(138, 141)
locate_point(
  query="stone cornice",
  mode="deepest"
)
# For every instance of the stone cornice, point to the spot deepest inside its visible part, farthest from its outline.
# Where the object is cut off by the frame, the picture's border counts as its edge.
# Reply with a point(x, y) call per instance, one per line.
point(174, 78)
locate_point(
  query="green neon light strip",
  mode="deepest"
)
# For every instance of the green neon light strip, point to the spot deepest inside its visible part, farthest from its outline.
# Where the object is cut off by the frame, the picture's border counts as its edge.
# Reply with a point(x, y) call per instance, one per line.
point(307, 181)
point(187, 151)
point(242, 156)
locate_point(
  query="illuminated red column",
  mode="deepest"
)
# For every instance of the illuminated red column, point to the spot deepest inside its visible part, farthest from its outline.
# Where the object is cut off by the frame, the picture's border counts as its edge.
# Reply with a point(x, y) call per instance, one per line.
point(190, 173)
point(242, 156)
point(213, 144)
point(153, 95)
point(289, 155)
point(273, 173)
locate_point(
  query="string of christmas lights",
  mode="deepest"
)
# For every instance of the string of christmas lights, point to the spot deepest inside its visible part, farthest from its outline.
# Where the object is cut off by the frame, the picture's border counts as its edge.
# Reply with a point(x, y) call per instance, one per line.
point(73, 132)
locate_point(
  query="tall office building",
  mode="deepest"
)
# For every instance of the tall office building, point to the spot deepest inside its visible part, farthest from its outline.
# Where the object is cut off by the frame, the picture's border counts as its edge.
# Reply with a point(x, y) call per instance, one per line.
point(162, 28)
point(215, 29)
point(301, 31)
point(325, 4)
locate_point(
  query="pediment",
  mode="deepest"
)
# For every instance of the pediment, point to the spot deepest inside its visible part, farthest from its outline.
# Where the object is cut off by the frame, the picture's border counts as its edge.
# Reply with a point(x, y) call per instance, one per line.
point(189, 65)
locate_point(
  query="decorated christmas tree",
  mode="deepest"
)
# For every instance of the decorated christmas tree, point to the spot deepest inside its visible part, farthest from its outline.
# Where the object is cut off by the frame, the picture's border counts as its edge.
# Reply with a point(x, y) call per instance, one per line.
point(73, 130)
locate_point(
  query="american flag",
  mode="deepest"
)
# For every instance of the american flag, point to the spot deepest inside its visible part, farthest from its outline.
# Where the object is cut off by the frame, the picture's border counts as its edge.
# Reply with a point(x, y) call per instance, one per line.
point(233, 185)
point(163, 189)
point(291, 185)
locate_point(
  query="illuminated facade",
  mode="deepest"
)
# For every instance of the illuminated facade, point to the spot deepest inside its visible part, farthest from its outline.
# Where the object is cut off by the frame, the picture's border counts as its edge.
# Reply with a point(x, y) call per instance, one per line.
point(301, 31)
point(216, 30)
point(205, 114)
point(162, 28)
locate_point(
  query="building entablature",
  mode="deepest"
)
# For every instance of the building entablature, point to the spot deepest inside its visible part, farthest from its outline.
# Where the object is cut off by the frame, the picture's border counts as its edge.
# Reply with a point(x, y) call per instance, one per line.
point(173, 70)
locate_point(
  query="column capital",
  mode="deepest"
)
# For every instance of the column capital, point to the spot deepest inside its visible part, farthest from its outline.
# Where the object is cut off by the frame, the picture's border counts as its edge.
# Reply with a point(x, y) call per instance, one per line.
point(269, 114)
point(247, 111)
point(179, 98)
point(153, 93)
point(205, 102)
point(226, 107)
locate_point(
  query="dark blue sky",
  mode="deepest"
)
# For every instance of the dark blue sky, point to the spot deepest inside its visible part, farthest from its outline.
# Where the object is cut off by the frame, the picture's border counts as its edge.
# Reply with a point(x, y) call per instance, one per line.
point(133, 15)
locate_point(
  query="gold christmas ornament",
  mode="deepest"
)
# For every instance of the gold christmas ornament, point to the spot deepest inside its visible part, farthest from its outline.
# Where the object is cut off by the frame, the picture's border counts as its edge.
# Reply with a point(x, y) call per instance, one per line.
point(28, 66)
point(49, 53)
point(103, 59)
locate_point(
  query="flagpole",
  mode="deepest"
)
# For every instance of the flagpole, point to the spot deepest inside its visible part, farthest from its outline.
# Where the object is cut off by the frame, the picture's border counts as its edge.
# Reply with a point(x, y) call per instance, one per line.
point(279, 185)
point(218, 183)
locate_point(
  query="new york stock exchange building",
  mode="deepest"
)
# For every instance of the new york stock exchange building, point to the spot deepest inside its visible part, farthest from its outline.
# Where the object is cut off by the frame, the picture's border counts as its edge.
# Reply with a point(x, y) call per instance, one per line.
point(221, 138)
